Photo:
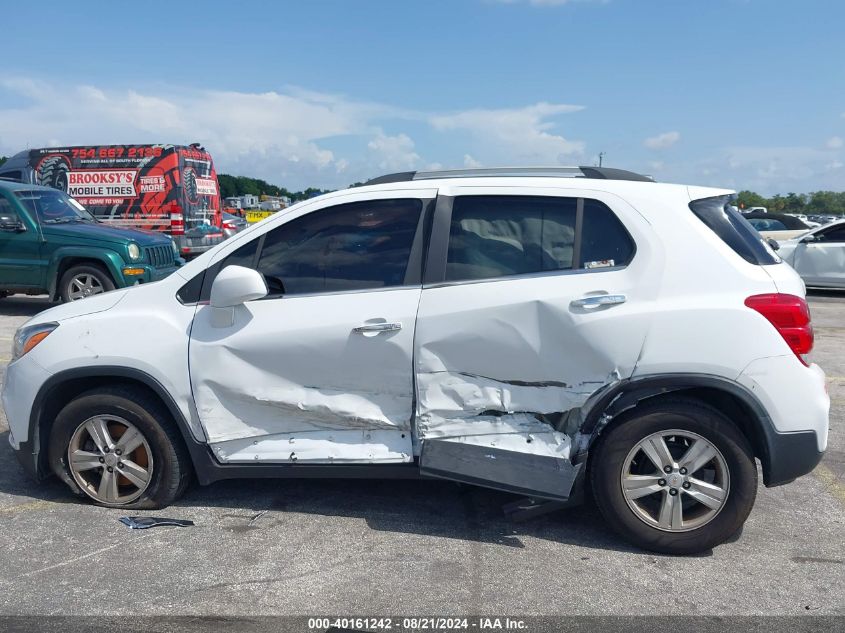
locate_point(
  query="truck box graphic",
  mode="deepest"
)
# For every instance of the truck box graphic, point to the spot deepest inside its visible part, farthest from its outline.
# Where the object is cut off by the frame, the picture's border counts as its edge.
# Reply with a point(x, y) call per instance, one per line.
point(167, 188)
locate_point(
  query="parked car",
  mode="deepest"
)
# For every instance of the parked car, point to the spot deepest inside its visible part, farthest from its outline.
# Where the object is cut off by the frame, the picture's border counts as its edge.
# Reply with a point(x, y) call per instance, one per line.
point(778, 226)
point(233, 224)
point(167, 188)
point(516, 329)
point(50, 244)
point(818, 256)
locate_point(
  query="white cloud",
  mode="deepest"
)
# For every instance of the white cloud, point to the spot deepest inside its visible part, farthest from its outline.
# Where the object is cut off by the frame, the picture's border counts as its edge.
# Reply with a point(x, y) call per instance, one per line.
point(394, 153)
point(288, 137)
point(470, 162)
point(834, 142)
point(662, 141)
point(515, 136)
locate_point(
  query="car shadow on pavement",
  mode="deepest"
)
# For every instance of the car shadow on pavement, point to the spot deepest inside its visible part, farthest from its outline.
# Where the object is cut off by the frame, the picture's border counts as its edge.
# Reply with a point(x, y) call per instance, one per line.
point(22, 305)
point(421, 507)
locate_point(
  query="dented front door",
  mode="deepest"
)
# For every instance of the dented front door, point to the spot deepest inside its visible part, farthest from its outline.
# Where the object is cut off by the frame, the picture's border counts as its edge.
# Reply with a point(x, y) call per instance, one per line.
point(519, 324)
point(320, 371)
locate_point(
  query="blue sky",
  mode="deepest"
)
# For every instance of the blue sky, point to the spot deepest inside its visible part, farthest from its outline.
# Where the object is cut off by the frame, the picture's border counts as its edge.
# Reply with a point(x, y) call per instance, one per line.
point(737, 93)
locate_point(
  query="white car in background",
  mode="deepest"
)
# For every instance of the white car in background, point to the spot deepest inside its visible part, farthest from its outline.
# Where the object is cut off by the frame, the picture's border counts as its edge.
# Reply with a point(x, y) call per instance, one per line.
point(818, 256)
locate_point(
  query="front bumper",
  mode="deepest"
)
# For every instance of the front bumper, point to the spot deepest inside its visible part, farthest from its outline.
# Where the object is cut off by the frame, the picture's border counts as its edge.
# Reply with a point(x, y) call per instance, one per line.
point(144, 273)
point(23, 379)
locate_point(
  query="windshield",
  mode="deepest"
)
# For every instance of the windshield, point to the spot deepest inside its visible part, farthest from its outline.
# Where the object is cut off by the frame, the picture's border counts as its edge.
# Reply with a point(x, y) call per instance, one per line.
point(53, 207)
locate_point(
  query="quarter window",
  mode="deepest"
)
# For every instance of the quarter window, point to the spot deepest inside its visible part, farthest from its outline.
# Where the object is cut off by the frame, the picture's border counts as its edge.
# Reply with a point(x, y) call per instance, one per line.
point(500, 236)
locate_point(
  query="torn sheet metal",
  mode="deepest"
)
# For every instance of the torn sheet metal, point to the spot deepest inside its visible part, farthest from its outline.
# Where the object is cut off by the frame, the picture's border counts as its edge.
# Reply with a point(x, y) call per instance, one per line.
point(503, 369)
point(318, 447)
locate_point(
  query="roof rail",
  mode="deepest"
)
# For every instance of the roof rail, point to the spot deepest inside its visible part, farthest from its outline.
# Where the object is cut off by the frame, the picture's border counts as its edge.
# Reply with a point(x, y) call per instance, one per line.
point(604, 173)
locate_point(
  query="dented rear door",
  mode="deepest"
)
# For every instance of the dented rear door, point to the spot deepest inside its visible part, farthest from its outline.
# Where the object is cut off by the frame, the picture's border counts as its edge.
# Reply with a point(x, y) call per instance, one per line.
point(532, 303)
point(320, 371)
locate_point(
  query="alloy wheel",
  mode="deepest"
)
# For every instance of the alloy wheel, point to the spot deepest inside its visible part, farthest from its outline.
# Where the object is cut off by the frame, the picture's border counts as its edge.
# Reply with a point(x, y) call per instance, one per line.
point(84, 285)
point(110, 459)
point(675, 480)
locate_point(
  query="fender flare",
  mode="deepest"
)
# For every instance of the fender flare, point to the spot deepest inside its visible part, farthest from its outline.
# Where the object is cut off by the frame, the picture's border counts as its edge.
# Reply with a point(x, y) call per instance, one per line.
point(784, 456)
point(38, 423)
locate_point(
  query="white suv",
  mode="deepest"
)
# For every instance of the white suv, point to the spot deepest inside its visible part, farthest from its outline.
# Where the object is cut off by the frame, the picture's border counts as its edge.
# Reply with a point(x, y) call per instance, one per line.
point(535, 331)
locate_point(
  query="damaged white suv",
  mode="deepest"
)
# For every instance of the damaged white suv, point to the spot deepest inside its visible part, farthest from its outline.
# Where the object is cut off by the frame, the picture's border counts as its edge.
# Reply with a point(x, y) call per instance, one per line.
point(539, 331)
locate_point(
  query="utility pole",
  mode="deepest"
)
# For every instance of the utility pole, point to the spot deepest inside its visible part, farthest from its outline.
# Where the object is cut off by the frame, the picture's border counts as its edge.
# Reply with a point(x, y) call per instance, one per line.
point(601, 158)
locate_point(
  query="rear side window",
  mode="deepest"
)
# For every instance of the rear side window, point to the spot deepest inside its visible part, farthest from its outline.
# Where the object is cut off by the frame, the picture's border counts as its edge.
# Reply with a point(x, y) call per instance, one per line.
point(733, 229)
point(502, 236)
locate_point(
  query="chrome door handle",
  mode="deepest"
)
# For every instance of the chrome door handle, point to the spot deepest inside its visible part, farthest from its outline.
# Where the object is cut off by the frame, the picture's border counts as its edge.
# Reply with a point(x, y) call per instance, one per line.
point(590, 303)
point(377, 327)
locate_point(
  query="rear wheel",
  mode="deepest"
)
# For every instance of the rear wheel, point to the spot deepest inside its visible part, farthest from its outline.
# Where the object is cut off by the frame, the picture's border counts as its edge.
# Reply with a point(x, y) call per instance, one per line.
point(119, 447)
point(83, 281)
point(675, 476)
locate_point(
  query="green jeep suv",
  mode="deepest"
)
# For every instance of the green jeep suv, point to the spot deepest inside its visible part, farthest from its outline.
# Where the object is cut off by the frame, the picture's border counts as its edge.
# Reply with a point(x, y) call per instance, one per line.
point(50, 244)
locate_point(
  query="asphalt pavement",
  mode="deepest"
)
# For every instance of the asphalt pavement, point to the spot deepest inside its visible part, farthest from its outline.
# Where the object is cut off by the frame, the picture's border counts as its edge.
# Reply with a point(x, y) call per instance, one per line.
point(412, 547)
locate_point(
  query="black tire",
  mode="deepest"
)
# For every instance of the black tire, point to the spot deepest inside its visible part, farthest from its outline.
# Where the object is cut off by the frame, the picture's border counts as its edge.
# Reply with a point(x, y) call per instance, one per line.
point(613, 447)
point(171, 465)
point(100, 273)
point(53, 172)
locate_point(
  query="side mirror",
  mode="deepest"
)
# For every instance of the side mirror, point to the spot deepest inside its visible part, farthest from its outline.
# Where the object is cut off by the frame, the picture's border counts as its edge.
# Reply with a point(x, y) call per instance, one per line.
point(236, 285)
point(7, 225)
point(808, 239)
point(773, 243)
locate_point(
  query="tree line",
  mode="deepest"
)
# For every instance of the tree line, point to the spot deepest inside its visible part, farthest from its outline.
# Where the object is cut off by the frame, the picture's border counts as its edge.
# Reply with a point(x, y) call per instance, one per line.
point(815, 203)
point(242, 185)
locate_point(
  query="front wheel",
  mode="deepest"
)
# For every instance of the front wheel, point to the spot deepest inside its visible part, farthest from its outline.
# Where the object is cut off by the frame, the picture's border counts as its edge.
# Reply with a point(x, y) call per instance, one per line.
point(119, 447)
point(83, 281)
point(675, 477)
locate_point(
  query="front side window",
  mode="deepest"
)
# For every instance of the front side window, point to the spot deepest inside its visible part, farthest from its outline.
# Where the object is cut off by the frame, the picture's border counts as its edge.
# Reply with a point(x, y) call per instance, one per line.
point(53, 207)
point(501, 236)
point(355, 246)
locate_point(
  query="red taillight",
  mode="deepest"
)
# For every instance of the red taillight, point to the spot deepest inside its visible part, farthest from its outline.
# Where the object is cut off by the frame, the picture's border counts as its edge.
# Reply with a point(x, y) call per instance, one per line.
point(177, 220)
point(229, 226)
point(791, 317)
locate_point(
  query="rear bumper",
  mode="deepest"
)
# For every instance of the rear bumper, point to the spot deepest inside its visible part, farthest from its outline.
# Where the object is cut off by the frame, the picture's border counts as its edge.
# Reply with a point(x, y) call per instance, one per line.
point(790, 456)
point(798, 407)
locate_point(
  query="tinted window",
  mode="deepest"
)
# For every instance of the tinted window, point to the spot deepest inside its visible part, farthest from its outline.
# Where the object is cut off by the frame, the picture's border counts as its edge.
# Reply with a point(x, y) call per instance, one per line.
point(767, 225)
point(348, 247)
point(500, 236)
point(12, 175)
point(604, 241)
point(836, 234)
point(733, 229)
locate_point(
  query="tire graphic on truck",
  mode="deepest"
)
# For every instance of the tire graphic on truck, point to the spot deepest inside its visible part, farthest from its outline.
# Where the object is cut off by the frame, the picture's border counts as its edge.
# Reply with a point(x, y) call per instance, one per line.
point(189, 178)
point(52, 172)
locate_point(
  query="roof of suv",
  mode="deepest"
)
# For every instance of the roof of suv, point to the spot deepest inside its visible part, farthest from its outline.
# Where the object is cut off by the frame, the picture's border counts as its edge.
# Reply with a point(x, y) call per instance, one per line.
point(601, 173)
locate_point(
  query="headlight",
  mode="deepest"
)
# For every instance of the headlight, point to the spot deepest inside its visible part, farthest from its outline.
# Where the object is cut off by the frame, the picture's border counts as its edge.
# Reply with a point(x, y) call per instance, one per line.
point(29, 336)
point(134, 251)
point(175, 249)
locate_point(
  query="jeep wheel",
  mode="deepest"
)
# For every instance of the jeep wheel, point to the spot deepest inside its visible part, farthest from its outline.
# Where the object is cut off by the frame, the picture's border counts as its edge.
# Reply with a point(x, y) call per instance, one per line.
point(119, 447)
point(675, 476)
point(83, 281)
